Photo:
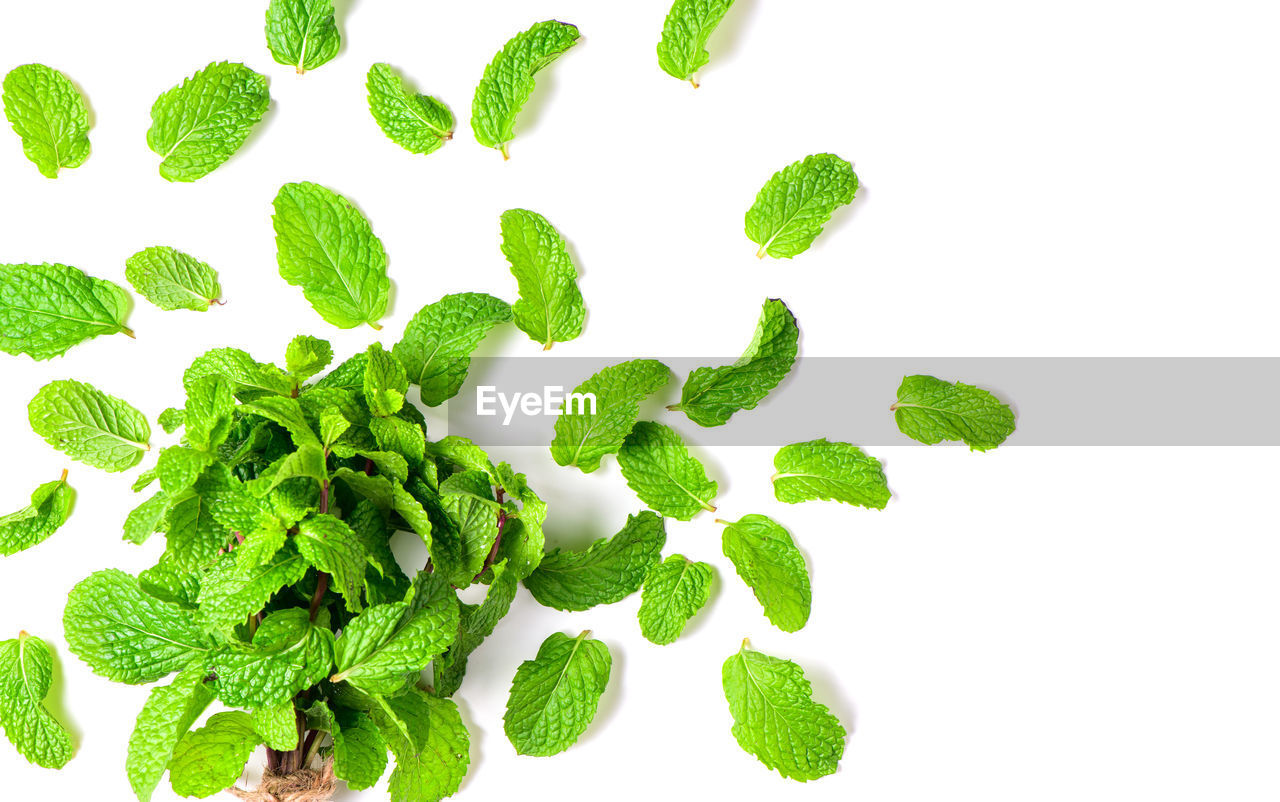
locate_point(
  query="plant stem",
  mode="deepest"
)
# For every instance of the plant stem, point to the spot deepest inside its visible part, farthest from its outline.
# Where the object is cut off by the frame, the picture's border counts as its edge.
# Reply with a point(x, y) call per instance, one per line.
point(322, 587)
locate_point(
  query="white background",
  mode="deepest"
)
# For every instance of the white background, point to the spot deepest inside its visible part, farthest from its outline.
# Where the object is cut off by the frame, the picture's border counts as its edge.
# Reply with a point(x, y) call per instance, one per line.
point(1095, 178)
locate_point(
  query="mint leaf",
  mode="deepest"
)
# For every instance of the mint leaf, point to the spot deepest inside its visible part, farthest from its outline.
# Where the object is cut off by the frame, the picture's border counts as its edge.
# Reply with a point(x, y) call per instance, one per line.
point(248, 377)
point(26, 672)
point(166, 717)
point(48, 308)
point(202, 122)
point(417, 123)
point(178, 468)
point(235, 588)
point(288, 414)
point(171, 420)
point(171, 279)
point(776, 719)
point(331, 546)
point(209, 412)
point(674, 591)
point(126, 635)
point(194, 535)
point(326, 247)
point(462, 452)
point(306, 356)
point(821, 469)
point(430, 743)
point(476, 622)
point(769, 562)
point(550, 307)
point(288, 654)
point(49, 509)
point(359, 752)
point(508, 80)
point(385, 382)
point(554, 696)
point(932, 410)
point(278, 726)
point(302, 33)
point(607, 571)
point(212, 758)
point(47, 111)
point(467, 500)
point(657, 465)
point(711, 395)
point(585, 432)
point(682, 51)
point(90, 426)
point(145, 519)
point(437, 344)
point(792, 207)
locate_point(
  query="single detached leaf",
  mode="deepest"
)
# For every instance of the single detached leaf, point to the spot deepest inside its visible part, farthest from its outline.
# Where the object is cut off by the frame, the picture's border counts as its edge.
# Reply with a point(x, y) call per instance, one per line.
point(932, 410)
point(658, 466)
point(550, 307)
point(49, 509)
point(508, 80)
point(211, 759)
point(674, 591)
point(769, 562)
point(791, 209)
point(554, 696)
point(166, 717)
point(586, 431)
point(776, 719)
point(682, 51)
point(126, 635)
point(437, 345)
point(821, 469)
point(306, 356)
point(47, 111)
point(302, 33)
point(711, 395)
point(202, 122)
point(88, 425)
point(45, 309)
point(26, 672)
point(326, 247)
point(607, 571)
point(171, 279)
point(417, 123)
point(430, 743)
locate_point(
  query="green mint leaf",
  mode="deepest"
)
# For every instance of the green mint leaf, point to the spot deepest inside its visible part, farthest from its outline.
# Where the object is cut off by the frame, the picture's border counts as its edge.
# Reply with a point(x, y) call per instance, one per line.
point(384, 647)
point(49, 509)
point(47, 111)
point(46, 309)
point(171, 420)
point(658, 466)
point(508, 80)
point(288, 413)
point(476, 622)
point(249, 379)
point(302, 33)
point(585, 432)
point(430, 743)
point(359, 751)
point(674, 591)
point(211, 759)
point(209, 412)
point(171, 279)
point(522, 538)
point(468, 502)
point(26, 672)
point(776, 719)
point(179, 467)
point(821, 469)
point(399, 436)
point(278, 726)
point(608, 570)
point(417, 123)
point(194, 535)
point(200, 123)
point(769, 562)
point(124, 634)
point(288, 654)
point(682, 51)
point(550, 307)
point(236, 587)
point(554, 696)
point(166, 717)
point(331, 546)
point(711, 395)
point(88, 425)
point(791, 209)
point(306, 463)
point(932, 410)
point(437, 344)
point(168, 582)
point(306, 356)
point(385, 382)
point(326, 247)
point(460, 451)
point(146, 518)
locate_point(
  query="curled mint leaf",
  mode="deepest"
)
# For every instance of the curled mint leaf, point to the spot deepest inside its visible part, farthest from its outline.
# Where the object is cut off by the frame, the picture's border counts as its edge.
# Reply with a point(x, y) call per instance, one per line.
point(437, 344)
point(768, 561)
point(33, 524)
point(46, 309)
point(302, 33)
point(792, 207)
point(167, 716)
point(683, 49)
point(202, 122)
point(550, 307)
point(417, 123)
point(48, 112)
point(608, 570)
point(26, 673)
point(931, 410)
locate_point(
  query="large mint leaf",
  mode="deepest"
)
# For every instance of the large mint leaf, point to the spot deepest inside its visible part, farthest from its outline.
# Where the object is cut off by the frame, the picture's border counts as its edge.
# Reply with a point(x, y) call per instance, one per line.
point(550, 308)
point(658, 466)
point(199, 124)
point(26, 672)
point(211, 759)
point(417, 123)
point(508, 80)
point(683, 49)
point(288, 654)
point(49, 509)
point(430, 743)
point(47, 111)
point(467, 499)
point(249, 378)
point(168, 714)
point(326, 247)
point(607, 571)
point(331, 546)
point(931, 410)
point(674, 591)
point(235, 588)
point(46, 309)
point(821, 469)
point(798, 200)
point(359, 750)
point(437, 344)
point(171, 279)
point(302, 33)
point(769, 562)
point(586, 432)
point(554, 696)
point(88, 425)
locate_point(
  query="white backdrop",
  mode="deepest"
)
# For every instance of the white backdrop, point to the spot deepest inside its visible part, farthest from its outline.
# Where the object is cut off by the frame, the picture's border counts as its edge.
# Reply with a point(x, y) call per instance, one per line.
point(1038, 179)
